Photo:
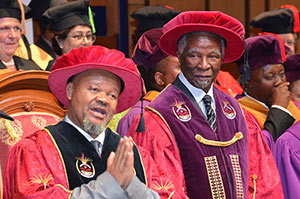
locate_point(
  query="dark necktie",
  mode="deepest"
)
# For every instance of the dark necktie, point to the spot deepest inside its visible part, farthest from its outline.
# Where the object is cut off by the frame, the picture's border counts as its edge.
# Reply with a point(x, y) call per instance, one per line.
point(96, 145)
point(211, 116)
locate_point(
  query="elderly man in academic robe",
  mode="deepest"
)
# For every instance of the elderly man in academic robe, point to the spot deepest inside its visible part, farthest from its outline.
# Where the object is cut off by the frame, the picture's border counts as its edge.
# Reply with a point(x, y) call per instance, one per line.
point(192, 129)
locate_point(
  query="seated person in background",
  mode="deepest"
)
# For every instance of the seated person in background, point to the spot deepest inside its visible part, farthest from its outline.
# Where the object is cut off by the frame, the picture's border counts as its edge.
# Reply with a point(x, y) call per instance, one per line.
point(150, 17)
point(292, 72)
point(37, 10)
point(157, 69)
point(79, 157)
point(267, 93)
point(71, 26)
point(283, 21)
point(10, 33)
point(40, 54)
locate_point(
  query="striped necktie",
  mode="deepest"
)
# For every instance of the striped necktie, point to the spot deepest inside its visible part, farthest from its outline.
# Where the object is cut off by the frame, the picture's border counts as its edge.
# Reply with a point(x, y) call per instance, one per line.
point(211, 116)
point(96, 145)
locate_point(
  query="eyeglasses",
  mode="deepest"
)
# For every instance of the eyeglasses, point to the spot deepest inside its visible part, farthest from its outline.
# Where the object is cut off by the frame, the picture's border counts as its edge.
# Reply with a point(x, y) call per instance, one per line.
point(89, 37)
point(7, 29)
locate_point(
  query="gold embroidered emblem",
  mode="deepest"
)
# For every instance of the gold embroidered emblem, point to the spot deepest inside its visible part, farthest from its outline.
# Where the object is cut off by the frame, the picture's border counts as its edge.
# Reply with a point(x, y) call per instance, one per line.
point(38, 121)
point(163, 186)
point(238, 175)
point(10, 132)
point(228, 111)
point(85, 167)
point(40, 180)
point(181, 111)
point(214, 177)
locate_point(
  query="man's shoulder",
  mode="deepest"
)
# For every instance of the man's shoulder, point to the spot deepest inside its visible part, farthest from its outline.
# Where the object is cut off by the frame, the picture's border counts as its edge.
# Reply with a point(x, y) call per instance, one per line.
point(34, 140)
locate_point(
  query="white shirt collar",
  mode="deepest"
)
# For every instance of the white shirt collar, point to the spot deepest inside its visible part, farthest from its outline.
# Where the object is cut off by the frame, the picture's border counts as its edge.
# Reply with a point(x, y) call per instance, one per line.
point(197, 93)
point(100, 138)
point(257, 101)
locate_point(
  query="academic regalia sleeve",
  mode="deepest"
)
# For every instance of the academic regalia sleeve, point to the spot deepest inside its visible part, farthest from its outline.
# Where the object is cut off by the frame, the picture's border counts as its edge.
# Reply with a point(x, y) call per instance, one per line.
point(277, 122)
point(263, 176)
point(105, 186)
point(160, 156)
point(28, 175)
point(287, 157)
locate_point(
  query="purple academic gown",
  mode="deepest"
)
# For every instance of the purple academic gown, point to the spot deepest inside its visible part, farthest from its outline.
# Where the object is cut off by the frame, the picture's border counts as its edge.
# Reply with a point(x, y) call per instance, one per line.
point(287, 157)
point(209, 171)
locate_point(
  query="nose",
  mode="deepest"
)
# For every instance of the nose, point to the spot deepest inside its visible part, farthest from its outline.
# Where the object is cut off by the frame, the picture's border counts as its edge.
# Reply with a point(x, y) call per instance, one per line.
point(12, 33)
point(278, 80)
point(204, 63)
point(102, 99)
point(84, 41)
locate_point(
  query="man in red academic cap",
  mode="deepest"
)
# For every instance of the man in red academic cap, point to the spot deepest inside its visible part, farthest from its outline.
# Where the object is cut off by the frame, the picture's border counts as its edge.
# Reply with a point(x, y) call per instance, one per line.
point(192, 129)
point(79, 157)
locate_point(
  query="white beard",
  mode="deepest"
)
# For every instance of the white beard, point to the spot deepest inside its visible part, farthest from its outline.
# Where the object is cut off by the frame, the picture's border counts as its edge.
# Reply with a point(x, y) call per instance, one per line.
point(93, 128)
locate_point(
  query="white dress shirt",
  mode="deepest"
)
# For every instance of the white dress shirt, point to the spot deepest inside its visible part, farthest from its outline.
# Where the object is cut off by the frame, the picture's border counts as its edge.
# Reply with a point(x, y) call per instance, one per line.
point(198, 93)
point(273, 106)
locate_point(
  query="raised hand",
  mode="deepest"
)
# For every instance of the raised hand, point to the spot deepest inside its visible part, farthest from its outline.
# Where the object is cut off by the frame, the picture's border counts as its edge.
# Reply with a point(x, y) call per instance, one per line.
point(121, 163)
point(281, 95)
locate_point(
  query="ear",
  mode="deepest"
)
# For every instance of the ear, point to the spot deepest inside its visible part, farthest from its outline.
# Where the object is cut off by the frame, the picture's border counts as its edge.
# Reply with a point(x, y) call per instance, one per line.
point(70, 90)
point(59, 42)
point(159, 78)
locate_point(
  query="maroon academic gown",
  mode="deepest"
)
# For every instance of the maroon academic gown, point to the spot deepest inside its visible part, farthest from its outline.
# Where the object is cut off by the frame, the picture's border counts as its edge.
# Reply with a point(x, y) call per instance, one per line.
point(215, 164)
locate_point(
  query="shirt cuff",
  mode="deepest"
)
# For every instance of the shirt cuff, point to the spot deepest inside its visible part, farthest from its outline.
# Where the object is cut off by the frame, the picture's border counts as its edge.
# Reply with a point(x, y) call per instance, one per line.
point(283, 109)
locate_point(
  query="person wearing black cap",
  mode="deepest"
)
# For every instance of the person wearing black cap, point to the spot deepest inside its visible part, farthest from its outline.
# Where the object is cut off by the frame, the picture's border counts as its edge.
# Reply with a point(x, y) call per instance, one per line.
point(71, 25)
point(157, 69)
point(150, 17)
point(31, 51)
point(10, 33)
point(283, 21)
point(37, 10)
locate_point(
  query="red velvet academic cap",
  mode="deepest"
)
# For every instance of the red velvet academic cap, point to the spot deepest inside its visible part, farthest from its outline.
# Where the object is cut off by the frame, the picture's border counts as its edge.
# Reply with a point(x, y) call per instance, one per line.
point(96, 57)
point(292, 68)
point(210, 21)
point(263, 50)
point(147, 51)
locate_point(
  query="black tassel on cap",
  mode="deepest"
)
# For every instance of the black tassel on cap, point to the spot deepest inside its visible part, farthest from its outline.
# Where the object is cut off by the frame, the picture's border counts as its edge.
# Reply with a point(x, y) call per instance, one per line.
point(246, 70)
point(141, 126)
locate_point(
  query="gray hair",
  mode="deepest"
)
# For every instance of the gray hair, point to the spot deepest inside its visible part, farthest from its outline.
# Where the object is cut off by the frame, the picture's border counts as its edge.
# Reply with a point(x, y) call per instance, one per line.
point(182, 42)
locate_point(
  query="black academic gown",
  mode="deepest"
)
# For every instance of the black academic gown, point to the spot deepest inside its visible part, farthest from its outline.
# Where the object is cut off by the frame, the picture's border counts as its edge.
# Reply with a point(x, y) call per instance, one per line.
point(22, 64)
point(44, 45)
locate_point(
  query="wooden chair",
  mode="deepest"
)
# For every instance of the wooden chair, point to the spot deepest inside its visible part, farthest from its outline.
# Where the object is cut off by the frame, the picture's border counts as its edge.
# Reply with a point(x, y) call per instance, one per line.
point(25, 96)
